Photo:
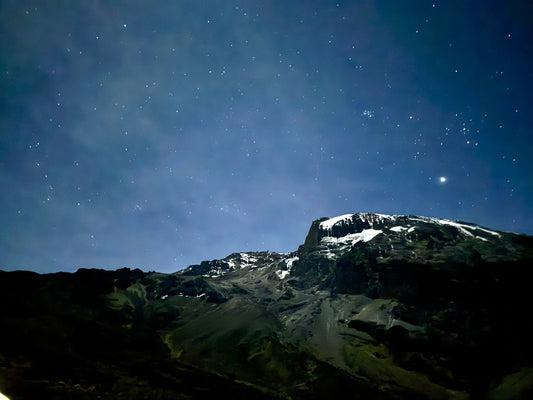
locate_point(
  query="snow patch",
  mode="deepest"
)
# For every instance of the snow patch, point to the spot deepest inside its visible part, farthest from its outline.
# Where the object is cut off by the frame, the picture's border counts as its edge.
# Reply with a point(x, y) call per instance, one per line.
point(370, 218)
point(349, 240)
point(332, 247)
point(231, 263)
point(282, 274)
point(399, 228)
point(197, 296)
point(352, 238)
point(290, 261)
point(328, 224)
point(461, 227)
point(367, 235)
point(248, 260)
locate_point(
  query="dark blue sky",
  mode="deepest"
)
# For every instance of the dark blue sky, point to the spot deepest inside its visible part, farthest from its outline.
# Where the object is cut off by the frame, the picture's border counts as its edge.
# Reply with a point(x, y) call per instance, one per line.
point(157, 134)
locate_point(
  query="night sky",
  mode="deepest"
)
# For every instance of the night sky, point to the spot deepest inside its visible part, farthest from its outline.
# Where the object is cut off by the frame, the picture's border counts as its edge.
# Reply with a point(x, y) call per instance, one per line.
point(157, 134)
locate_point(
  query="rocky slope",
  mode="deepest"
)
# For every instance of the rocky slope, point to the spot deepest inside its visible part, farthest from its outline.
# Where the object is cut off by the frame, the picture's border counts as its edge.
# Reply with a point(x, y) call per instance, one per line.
point(370, 305)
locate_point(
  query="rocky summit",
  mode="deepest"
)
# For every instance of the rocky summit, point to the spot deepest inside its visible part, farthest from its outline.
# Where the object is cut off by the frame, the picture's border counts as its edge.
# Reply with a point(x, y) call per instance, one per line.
point(369, 306)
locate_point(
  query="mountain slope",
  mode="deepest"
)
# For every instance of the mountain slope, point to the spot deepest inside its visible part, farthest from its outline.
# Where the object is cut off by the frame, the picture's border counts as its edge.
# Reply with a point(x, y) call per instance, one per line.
point(373, 305)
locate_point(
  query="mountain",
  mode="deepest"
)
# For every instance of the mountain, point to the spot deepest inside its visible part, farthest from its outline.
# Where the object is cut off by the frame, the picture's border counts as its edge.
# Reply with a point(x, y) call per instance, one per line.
point(369, 306)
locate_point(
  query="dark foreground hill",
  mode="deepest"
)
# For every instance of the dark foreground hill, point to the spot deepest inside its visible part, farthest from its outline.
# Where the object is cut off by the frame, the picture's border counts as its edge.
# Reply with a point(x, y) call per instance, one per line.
point(370, 306)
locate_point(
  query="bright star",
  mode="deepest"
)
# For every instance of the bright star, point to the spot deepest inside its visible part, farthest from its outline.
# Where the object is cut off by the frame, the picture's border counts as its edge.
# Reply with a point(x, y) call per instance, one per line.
point(442, 179)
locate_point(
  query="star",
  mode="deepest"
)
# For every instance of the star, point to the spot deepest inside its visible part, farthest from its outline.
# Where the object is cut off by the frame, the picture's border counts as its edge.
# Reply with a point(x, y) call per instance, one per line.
point(443, 179)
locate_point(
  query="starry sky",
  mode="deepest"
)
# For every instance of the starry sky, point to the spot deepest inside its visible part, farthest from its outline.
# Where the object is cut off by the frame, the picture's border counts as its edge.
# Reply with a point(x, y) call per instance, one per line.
point(157, 134)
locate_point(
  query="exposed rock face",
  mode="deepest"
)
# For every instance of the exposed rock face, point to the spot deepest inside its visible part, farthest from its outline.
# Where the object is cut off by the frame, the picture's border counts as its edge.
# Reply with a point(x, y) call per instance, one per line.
point(372, 305)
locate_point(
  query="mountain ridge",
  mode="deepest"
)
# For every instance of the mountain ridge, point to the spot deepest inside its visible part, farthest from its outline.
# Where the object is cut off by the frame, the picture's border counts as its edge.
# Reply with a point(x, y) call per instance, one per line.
point(376, 305)
point(352, 228)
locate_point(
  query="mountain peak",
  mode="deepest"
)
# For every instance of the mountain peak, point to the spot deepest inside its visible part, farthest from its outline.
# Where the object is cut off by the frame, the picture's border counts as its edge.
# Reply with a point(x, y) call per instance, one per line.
point(407, 237)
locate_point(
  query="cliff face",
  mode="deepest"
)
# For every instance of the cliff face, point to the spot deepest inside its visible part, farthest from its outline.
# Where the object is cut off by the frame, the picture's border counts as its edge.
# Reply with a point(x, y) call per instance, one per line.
point(370, 305)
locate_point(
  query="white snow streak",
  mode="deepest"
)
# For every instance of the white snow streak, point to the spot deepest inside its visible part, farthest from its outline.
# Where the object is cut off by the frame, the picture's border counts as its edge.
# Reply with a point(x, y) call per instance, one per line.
point(352, 238)
point(328, 224)
point(398, 228)
point(465, 229)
